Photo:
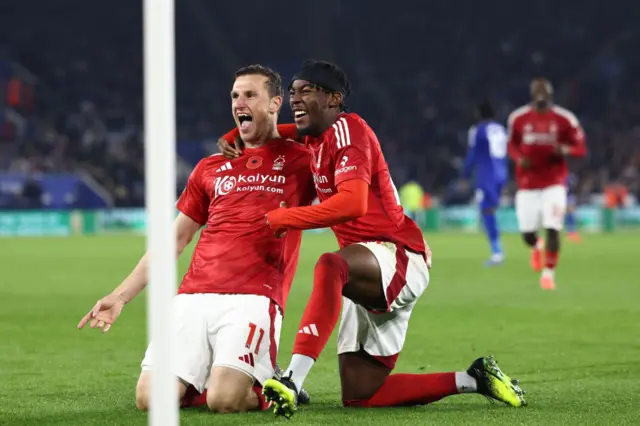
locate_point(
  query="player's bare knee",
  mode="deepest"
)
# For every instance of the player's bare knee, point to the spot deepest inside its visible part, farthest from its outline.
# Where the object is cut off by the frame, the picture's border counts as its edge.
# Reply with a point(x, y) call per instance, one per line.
point(361, 376)
point(222, 401)
point(142, 392)
point(228, 389)
point(142, 401)
point(352, 392)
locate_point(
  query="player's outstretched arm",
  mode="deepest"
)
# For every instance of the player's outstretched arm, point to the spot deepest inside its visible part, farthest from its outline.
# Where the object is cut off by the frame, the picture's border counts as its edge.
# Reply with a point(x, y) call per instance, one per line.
point(106, 310)
point(185, 229)
point(349, 203)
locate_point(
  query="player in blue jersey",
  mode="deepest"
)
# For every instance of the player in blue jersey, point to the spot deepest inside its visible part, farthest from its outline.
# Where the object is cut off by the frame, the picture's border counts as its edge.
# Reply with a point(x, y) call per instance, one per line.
point(570, 215)
point(487, 160)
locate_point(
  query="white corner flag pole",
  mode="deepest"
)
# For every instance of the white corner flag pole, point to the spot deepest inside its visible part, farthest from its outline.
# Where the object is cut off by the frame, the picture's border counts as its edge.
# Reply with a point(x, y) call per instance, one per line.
point(160, 187)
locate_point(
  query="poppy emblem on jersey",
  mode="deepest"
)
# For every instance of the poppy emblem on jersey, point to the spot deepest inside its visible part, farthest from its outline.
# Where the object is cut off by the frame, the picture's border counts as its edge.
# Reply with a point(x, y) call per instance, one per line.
point(254, 162)
point(278, 163)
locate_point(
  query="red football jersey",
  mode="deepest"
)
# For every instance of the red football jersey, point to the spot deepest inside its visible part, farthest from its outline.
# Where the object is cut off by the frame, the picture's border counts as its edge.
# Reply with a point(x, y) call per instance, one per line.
point(534, 135)
point(237, 251)
point(350, 150)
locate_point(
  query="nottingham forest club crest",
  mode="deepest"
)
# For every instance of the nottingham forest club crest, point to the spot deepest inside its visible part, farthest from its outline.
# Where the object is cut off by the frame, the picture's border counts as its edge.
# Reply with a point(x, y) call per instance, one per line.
point(278, 163)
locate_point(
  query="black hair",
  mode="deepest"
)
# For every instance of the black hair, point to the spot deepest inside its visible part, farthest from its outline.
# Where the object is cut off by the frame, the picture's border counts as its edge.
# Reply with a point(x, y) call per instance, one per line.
point(274, 81)
point(485, 110)
point(340, 78)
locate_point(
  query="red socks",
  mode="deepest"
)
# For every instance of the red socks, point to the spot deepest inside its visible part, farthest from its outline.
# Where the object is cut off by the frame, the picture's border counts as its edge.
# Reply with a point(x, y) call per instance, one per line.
point(193, 399)
point(262, 402)
point(397, 391)
point(551, 259)
point(410, 389)
point(323, 310)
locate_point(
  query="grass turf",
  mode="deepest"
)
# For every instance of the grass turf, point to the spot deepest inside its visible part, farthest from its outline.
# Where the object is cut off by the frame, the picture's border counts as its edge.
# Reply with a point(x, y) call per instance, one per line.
point(575, 350)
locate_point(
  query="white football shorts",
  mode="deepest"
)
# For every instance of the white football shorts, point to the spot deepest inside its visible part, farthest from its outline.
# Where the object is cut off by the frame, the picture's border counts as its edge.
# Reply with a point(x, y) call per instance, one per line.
point(541, 208)
point(405, 276)
point(239, 331)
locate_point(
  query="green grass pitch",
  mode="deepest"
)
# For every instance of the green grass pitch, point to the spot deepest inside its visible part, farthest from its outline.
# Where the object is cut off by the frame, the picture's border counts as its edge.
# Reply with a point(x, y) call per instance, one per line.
point(576, 350)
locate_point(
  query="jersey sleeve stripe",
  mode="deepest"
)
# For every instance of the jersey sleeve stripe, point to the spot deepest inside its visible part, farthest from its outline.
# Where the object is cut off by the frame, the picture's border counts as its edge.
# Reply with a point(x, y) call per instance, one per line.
point(346, 136)
point(342, 136)
point(338, 140)
point(319, 156)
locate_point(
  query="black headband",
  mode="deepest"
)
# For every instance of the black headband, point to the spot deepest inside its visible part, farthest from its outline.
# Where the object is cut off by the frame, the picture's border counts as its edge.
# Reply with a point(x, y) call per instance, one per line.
point(321, 77)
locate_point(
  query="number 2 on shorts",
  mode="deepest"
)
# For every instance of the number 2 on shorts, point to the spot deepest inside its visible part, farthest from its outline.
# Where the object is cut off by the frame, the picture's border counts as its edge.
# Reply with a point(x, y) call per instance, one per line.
point(252, 335)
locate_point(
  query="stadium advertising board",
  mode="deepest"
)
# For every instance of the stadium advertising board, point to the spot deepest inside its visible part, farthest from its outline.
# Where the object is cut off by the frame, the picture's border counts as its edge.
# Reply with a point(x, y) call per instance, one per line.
point(459, 218)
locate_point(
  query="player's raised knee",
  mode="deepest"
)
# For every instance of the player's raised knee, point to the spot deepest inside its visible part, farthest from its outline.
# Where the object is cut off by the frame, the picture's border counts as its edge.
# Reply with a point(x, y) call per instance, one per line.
point(331, 260)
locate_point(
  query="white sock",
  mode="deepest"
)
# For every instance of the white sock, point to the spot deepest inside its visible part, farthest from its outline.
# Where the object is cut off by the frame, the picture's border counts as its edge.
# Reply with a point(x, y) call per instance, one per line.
point(539, 244)
point(465, 383)
point(548, 272)
point(299, 369)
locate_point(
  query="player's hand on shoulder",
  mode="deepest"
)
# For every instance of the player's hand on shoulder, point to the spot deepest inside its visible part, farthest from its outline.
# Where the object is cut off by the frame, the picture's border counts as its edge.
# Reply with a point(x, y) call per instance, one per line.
point(227, 150)
point(280, 232)
point(104, 313)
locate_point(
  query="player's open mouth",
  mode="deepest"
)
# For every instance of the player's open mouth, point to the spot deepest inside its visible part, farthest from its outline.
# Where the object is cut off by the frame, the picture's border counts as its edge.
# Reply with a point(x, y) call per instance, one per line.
point(245, 120)
point(297, 115)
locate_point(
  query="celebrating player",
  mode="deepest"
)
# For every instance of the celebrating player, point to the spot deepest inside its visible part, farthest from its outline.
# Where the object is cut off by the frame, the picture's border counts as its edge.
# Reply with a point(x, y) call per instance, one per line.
point(541, 136)
point(228, 311)
point(487, 156)
point(381, 267)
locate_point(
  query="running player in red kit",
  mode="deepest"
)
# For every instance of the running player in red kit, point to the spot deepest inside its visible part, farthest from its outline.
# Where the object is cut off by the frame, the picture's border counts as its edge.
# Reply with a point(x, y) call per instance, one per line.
point(381, 268)
point(228, 311)
point(541, 136)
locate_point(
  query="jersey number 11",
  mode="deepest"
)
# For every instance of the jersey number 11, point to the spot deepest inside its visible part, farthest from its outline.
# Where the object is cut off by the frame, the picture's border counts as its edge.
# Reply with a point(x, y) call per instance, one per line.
point(252, 334)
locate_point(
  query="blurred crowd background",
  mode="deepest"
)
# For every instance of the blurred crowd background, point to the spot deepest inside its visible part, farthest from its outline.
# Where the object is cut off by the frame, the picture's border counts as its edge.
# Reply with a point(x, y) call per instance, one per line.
point(71, 82)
